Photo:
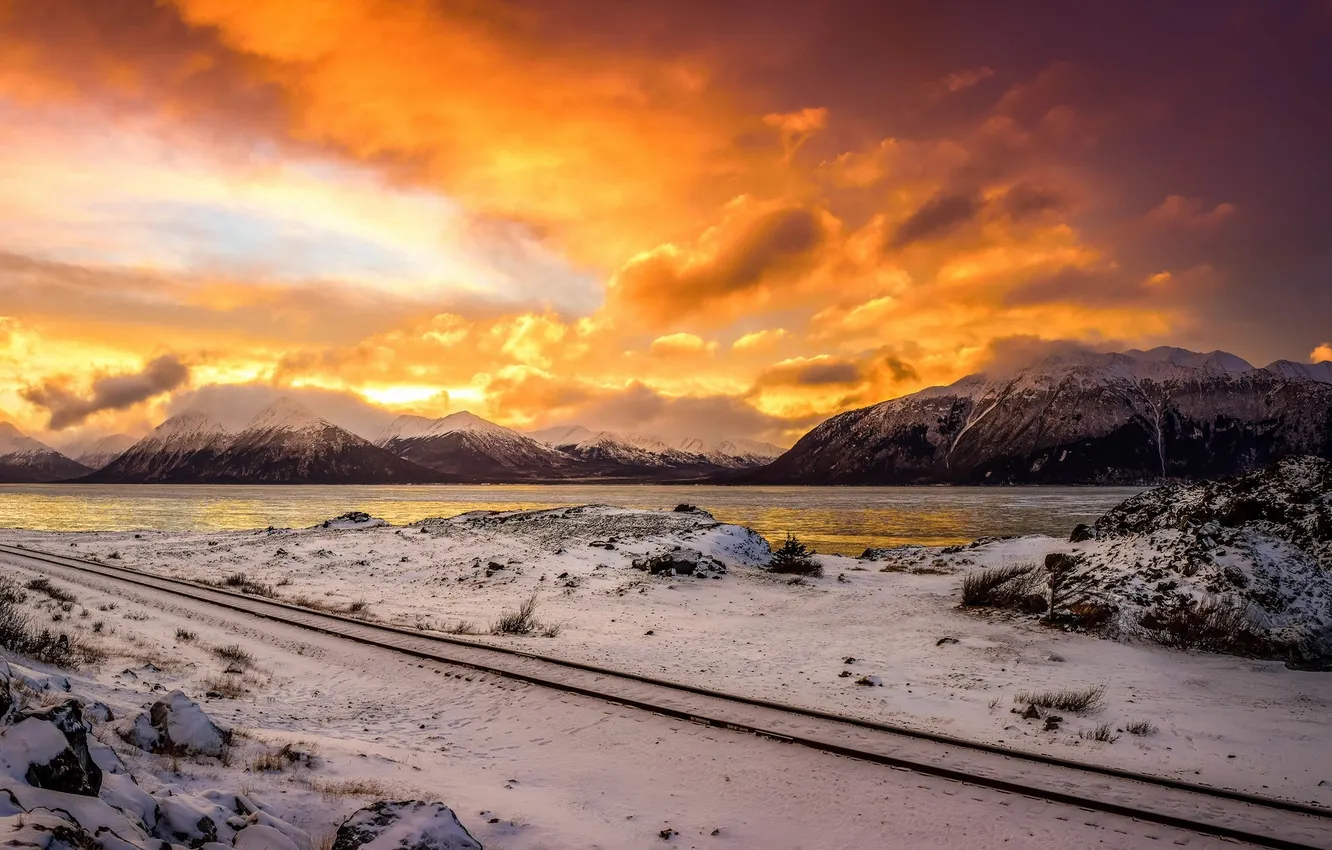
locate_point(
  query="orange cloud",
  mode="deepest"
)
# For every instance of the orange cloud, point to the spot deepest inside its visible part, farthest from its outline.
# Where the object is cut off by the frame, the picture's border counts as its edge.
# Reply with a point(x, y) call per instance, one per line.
point(1321, 353)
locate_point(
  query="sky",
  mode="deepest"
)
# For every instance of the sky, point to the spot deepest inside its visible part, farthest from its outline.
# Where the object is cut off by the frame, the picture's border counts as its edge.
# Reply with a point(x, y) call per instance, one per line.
point(676, 217)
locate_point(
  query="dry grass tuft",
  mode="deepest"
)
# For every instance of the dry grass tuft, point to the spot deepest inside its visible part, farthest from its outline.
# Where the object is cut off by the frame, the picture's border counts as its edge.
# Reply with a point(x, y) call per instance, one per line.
point(1076, 701)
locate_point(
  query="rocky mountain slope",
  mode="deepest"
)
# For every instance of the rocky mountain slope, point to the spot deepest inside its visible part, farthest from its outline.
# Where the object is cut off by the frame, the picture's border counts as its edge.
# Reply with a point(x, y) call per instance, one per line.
point(1134, 417)
point(287, 443)
point(176, 452)
point(97, 453)
point(284, 444)
point(24, 460)
point(473, 448)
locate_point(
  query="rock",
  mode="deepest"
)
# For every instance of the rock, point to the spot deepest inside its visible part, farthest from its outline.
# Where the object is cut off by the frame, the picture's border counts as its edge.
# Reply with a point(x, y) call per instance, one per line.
point(186, 819)
point(80, 772)
point(1058, 659)
point(845, 674)
point(680, 561)
point(408, 825)
point(1033, 603)
point(1082, 533)
point(176, 725)
point(945, 640)
point(1031, 713)
point(37, 751)
point(850, 659)
point(42, 830)
point(870, 681)
point(1052, 723)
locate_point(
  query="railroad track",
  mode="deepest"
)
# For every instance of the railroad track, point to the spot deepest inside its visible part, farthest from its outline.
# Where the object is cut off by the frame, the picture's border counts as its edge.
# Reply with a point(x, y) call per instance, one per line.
point(1172, 803)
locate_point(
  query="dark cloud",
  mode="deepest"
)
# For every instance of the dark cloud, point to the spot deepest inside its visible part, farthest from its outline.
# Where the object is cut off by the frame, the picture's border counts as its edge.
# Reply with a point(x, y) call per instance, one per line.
point(1025, 200)
point(109, 392)
point(818, 372)
point(936, 217)
point(666, 284)
point(900, 369)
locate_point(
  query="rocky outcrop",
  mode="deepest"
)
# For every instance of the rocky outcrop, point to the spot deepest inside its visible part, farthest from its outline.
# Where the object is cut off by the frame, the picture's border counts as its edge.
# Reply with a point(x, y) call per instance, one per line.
point(410, 825)
point(1240, 565)
point(682, 561)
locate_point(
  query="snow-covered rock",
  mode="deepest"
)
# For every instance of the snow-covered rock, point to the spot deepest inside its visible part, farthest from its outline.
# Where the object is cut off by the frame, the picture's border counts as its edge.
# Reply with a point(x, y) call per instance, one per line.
point(1077, 418)
point(411, 825)
point(176, 725)
point(36, 752)
point(74, 771)
point(353, 521)
point(42, 830)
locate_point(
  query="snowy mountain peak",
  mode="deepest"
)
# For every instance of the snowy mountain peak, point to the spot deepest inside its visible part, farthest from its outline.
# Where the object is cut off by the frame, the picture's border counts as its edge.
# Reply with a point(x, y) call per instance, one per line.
point(96, 452)
point(1219, 361)
point(286, 414)
point(188, 425)
point(465, 420)
point(410, 427)
point(1320, 372)
point(14, 441)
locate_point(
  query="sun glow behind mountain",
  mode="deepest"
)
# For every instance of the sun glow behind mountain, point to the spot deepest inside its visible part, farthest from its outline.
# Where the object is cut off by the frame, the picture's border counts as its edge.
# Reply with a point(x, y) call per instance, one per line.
point(668, 218)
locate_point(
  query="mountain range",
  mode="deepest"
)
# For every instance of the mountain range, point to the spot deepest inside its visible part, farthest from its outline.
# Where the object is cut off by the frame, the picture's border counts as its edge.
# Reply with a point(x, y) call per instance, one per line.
point(1080, 418)
point(1084, 418)
point(288, 443)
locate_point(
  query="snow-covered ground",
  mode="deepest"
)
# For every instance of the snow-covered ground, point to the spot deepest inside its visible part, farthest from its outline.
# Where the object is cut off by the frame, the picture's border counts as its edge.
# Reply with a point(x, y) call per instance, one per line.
point(1220, 720)
point(321, 727)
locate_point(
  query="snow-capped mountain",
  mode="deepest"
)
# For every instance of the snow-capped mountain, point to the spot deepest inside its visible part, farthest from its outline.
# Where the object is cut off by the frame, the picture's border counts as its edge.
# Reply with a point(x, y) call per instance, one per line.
point(466, 445)
point(176, 452)
point(24, 460)
point(609, 453)
point(1132, 417)
point(287, 443)
point(96, 453)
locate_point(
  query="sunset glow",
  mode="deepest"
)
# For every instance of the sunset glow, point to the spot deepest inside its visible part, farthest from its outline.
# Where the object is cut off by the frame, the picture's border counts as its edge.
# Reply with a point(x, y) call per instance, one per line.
point(688, 217)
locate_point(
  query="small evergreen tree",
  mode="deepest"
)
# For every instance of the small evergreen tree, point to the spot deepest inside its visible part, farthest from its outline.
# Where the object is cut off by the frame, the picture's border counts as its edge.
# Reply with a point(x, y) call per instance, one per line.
point(794, 558)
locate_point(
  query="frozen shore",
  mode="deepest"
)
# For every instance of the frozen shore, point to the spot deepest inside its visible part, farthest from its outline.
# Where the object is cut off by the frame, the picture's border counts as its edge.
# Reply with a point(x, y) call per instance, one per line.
point(1217, 719)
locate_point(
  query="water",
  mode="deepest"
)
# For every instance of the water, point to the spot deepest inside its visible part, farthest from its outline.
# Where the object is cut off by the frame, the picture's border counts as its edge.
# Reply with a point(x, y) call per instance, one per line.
point(832, 519)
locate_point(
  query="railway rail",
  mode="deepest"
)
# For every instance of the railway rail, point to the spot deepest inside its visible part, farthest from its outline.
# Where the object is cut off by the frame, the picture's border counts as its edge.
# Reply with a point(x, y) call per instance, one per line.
point(1233, 815)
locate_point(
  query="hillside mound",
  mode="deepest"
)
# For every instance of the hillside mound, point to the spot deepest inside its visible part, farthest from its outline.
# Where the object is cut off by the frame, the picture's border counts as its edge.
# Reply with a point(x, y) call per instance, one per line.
point(1242, 564)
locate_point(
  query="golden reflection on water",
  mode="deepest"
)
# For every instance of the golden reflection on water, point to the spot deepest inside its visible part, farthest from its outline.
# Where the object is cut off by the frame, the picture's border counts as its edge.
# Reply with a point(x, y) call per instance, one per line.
point(842, 520)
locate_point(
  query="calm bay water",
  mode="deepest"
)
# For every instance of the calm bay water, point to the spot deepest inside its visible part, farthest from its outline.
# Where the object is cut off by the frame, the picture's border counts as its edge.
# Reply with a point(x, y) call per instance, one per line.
point(832, 519)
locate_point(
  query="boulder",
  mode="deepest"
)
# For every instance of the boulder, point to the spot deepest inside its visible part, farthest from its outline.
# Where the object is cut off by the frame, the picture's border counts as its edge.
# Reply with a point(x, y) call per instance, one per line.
point(410, 825)
point(68, 718)
point(44, 831)
point(37, 752)
point(188, 819)
point(1082, 533)
point(176, 725)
